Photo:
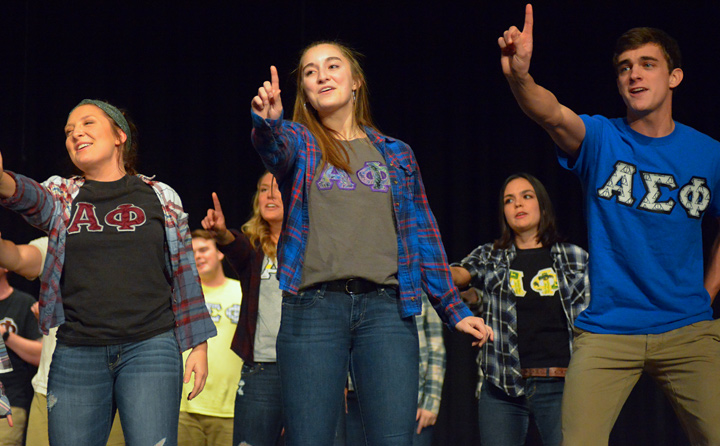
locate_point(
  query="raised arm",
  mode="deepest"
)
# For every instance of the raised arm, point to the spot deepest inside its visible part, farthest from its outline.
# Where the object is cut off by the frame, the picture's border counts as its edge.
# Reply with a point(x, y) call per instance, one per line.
point(562, 124)
point(214, 222)
point(25, 260)
point(267, 104)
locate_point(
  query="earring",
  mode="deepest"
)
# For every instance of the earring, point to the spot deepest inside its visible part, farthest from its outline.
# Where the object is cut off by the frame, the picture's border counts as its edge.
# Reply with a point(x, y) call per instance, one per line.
point(305, 105)
point(354, 95)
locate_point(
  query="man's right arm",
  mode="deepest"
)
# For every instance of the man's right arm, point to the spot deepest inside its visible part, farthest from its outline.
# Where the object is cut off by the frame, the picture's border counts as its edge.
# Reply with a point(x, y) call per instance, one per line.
point(563, 125)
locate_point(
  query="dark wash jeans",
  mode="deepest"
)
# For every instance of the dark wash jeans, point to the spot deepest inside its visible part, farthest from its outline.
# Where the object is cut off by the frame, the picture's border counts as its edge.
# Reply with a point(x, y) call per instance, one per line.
point(322, 335)
point(504, 420)
point(258, 406)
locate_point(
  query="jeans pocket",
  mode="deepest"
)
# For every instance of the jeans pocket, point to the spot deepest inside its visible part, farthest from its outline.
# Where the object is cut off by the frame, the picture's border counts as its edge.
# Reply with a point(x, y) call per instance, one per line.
point(388, 293)
point(249, 370)
point(304, 299)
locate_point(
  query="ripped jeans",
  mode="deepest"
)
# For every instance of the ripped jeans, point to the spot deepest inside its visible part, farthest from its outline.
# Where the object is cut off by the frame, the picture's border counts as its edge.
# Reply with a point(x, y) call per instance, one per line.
point(258, 406)
point(142, 380)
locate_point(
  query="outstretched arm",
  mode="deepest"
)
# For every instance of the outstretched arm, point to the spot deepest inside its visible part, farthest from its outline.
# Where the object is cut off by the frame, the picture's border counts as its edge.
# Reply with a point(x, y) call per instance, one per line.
point(562, 124)
point(25, 260)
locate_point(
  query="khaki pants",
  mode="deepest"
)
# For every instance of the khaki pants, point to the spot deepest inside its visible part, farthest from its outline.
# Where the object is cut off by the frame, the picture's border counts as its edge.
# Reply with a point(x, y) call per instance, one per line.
point(37, 433)
point(200, 430)
point(685, 363)
point(13, 436)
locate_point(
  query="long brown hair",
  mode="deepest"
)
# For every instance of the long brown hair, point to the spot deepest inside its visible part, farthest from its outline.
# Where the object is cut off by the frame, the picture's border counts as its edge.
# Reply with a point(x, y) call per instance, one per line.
point(257, 229)
point(547, 234)
point(332, 149)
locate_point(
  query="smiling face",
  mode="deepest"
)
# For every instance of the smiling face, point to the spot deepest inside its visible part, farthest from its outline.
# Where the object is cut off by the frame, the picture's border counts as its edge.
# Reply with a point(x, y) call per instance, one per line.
point(208, 258)
point(269, 201)
point(645, 81)
point(521, 207)
point(94, 144)
point(327, 80)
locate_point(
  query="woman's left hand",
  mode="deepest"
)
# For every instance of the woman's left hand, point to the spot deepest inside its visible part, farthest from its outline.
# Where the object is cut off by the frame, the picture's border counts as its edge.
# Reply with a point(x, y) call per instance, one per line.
point(476, 327)
point(197, 363)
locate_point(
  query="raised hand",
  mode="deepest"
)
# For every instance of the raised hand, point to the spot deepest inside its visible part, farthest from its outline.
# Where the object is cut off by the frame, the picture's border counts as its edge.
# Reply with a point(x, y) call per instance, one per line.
point(214, 222)
point(516, 47)
point(267, 103)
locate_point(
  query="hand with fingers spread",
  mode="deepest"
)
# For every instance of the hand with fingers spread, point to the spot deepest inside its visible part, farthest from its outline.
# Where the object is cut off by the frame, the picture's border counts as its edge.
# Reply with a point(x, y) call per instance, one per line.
point(214, 222)
point(516, 47)
point(267, 103)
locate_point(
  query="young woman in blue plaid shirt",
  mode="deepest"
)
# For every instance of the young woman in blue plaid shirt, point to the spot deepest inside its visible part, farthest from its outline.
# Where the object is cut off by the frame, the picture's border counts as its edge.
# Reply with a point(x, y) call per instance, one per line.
point(358, 243)
point(531, 287)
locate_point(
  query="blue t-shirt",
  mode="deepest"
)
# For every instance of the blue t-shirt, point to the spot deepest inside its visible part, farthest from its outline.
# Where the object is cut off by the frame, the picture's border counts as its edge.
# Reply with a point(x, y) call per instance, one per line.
point(644, 201)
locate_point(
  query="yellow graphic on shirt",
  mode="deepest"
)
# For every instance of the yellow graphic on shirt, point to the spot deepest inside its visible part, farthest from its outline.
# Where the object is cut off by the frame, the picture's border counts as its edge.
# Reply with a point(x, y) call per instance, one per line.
point(545, 282)
point(516, 283)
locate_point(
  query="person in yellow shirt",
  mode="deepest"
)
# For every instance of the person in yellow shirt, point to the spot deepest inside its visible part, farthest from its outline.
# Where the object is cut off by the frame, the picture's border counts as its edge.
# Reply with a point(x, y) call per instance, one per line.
point(208, 418)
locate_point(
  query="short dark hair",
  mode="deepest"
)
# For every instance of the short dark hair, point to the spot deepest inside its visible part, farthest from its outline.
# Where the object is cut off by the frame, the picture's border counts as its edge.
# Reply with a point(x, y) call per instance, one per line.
point(637, 37)
point(547, 230)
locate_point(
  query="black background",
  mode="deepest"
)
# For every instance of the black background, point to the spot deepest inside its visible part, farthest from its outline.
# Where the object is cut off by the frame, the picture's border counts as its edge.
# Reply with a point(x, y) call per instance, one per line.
point(187, 71)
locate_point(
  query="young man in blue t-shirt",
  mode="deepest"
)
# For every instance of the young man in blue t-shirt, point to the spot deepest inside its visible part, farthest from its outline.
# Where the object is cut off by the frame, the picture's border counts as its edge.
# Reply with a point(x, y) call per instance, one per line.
point(648, 182)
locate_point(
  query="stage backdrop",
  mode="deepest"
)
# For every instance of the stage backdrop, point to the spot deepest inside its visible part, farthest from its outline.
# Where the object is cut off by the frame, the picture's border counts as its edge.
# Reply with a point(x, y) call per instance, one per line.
point(188, 70)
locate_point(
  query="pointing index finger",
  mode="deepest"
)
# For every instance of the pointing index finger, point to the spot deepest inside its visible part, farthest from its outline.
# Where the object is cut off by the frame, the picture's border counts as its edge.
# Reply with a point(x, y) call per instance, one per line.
point(216, 203)
point(528, 27)
point(274, 79)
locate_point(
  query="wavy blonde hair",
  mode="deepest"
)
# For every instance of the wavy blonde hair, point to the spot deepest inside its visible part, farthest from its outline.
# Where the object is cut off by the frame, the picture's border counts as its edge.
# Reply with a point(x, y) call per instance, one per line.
point(257, 229)
point(332, 149)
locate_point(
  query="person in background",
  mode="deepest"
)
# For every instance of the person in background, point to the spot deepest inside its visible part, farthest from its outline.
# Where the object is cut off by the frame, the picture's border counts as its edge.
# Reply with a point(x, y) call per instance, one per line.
point(28, 260)
point(531, 287)
point(252, 253)
point(21, 337)
point(208, 419)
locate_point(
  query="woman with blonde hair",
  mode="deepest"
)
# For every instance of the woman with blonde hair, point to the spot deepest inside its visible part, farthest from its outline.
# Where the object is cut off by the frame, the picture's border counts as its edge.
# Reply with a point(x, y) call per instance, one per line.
point(252, 254)
point(358, 244)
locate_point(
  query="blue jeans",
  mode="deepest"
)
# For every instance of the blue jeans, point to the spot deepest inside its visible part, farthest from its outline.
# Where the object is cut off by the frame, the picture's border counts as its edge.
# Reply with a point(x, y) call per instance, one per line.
point(504, 420)
point(355, 436)
point(322, 335)
point(258, 406)
point(143, 380)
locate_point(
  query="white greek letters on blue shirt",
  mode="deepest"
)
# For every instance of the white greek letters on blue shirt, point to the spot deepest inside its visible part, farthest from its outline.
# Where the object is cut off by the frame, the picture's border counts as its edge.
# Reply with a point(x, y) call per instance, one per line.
point(694, 196)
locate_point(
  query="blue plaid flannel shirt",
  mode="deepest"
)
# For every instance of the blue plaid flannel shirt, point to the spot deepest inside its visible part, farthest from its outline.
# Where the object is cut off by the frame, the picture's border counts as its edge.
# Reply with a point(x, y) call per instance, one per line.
point(291, 153)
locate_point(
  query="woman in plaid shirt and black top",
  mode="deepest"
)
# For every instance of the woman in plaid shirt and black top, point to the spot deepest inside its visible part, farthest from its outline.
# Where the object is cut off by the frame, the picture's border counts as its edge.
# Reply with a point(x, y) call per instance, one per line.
point(531, 287)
